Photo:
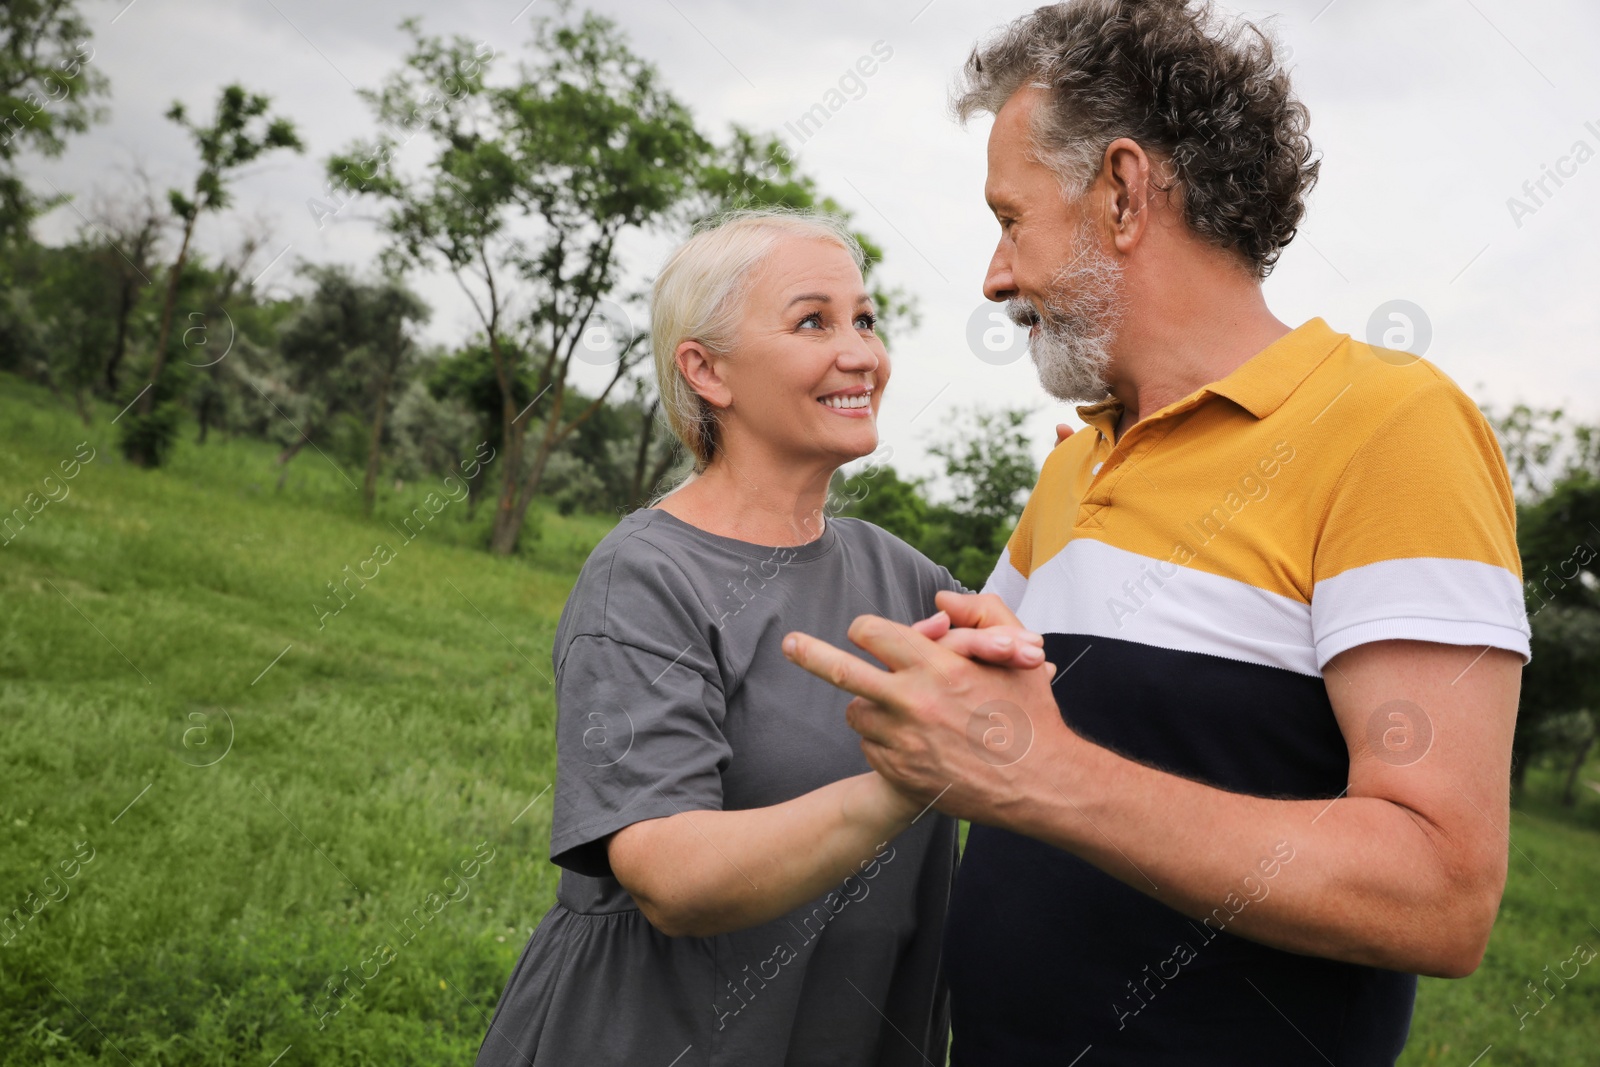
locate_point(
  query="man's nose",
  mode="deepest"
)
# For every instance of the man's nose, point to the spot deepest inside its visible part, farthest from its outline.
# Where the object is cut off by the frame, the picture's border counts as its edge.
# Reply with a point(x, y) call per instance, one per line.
point(998, 284)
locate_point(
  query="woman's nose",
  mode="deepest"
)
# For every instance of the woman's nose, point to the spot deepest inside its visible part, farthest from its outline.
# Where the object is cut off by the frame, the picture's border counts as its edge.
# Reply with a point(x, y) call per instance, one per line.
point(857, 355)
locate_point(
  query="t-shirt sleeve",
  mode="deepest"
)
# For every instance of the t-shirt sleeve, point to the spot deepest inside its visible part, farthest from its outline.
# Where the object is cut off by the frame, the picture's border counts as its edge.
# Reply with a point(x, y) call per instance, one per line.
point(638, 737)
point(639, 712)
point(1419, 541)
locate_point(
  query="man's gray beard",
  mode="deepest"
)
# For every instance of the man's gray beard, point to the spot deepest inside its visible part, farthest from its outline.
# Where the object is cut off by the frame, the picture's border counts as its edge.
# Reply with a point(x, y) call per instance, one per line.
point(1077, 325)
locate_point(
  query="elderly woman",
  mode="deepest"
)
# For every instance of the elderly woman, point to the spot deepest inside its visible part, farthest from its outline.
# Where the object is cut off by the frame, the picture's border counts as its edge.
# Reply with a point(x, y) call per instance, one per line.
point(738, 887)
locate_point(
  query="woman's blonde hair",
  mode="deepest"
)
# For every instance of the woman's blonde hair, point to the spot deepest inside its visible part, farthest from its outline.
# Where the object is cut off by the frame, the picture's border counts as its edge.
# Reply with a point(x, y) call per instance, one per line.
point(699, 296)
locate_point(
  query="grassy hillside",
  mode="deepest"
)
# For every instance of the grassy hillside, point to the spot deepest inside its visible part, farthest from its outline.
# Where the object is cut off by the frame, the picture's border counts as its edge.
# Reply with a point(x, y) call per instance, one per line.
point(251, 795)
point(138, 619)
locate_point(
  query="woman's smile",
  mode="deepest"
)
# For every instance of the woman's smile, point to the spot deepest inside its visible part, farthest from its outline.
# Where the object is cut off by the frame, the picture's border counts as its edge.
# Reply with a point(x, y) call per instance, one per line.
point(852, 403)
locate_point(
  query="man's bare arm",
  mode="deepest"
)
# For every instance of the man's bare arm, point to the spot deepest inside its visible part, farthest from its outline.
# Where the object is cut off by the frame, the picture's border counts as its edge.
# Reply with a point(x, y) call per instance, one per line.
point(1405, 871)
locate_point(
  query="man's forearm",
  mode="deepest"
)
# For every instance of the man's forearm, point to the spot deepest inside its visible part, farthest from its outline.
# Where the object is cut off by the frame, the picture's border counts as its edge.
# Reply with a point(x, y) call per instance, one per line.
point(1359, 879)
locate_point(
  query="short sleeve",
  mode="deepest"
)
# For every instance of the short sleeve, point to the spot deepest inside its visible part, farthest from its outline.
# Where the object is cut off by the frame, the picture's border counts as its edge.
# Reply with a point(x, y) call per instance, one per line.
point(638, 736)
point(1419, 540)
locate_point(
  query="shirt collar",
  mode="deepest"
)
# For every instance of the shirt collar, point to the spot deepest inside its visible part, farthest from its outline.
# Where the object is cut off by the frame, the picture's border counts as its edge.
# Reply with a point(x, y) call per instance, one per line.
point(1260, 385)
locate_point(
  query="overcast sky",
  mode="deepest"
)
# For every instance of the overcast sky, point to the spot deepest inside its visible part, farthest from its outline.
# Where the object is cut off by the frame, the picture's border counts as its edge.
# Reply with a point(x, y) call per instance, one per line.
point(1430, 115)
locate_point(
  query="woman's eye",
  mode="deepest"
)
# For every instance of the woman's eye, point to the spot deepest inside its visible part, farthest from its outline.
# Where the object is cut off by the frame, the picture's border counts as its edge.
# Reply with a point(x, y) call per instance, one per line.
point(813, 319)
point(866, 321)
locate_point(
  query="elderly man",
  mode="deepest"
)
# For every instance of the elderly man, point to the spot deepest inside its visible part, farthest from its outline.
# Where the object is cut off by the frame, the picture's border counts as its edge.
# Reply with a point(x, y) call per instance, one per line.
point(1277, 579)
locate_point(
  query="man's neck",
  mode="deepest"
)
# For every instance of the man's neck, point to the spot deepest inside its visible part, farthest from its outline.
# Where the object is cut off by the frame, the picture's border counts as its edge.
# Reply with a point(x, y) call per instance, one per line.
point(1199, 334)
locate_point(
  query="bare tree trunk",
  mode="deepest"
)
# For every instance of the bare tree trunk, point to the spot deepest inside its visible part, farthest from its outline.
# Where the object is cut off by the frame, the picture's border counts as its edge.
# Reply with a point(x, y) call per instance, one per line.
point(659, 471)
point(506, 534)
point(647, 435)
point(119, 347)
point(474, 492)
point(286, 455)
point(1569, 794)
point(369, 486)
point(148, 397)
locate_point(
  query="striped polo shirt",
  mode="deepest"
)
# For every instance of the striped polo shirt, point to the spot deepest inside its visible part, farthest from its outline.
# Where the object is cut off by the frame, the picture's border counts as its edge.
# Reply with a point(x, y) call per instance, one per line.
point(1192, 580)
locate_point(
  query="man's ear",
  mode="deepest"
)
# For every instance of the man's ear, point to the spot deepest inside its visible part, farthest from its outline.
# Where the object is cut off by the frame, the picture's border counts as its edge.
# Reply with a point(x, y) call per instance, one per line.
point(702, 370)
point(1129, 175)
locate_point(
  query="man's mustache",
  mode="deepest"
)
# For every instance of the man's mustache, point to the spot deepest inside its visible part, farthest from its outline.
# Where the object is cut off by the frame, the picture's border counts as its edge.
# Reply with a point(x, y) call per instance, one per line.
point(1022, 313)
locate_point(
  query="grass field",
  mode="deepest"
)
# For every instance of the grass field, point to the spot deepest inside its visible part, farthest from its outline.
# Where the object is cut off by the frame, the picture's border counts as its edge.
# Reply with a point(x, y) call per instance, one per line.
point(223, 799)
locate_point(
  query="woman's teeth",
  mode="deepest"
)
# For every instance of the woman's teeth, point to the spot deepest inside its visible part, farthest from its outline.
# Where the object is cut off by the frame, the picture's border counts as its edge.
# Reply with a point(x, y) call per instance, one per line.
point(861, 401)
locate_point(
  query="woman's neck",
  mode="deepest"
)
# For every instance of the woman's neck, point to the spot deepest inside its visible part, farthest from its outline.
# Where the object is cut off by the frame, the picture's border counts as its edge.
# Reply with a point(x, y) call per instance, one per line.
point(762, 501)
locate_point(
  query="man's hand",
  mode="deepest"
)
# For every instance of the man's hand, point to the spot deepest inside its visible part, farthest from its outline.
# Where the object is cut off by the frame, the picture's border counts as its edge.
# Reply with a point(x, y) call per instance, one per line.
point(937, 724)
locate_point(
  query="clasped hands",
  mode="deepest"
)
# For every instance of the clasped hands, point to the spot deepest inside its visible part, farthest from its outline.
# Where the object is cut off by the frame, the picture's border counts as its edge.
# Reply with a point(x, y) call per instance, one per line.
point(963, 715)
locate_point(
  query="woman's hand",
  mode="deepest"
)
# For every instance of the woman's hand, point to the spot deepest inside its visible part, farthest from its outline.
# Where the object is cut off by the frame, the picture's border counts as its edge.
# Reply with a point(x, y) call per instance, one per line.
point(1000, 646)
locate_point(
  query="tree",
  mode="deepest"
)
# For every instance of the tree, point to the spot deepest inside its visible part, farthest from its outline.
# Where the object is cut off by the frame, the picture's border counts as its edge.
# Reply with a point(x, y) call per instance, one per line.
point(532, 186)
point(239, 132)
point(988, 471)
point(470, 378)
point(532, 189)
point(654, 457)
point(133, 226)
point(350, 349)
point(884, 499)
point(47, 85)
point(1555, 466)
point(1560, 542)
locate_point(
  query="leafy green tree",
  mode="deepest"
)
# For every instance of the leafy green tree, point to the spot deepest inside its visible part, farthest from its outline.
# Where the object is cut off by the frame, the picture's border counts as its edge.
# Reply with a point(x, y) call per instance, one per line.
point(47, 87)
point(531, 189)
point(351, 348)
point(881, 497)
point(1560, 542)
point(1555, 471)
point(74, 286)
point(988, 472)
point(133, 223)
point(655, 453)
point(239, 132)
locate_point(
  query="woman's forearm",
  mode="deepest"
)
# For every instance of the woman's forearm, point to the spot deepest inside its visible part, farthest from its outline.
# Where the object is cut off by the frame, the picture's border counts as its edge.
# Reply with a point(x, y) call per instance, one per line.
point(701, 873)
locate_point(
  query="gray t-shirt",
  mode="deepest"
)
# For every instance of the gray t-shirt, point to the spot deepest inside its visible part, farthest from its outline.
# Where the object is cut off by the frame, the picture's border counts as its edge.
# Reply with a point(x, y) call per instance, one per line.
point(673, 694)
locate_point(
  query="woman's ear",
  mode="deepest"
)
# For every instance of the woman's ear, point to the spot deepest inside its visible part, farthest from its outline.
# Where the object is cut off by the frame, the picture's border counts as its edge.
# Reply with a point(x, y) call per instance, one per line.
point(702, 370)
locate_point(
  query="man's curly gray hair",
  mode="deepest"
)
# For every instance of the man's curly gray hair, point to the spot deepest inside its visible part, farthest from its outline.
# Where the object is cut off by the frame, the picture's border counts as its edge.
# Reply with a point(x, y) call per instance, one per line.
point(1203, 94)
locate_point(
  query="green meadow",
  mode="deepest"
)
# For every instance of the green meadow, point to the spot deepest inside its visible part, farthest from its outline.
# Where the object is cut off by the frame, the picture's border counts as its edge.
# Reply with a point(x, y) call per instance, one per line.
point(239, 827)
